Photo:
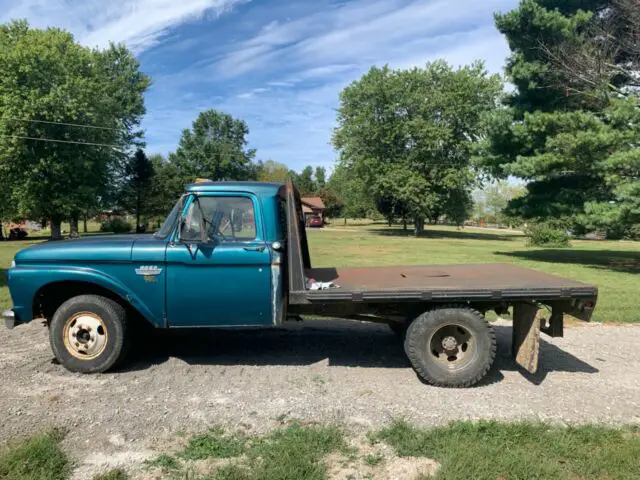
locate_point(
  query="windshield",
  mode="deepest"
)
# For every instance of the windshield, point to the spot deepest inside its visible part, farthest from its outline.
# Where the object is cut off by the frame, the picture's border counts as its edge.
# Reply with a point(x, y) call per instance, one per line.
point(172, 218)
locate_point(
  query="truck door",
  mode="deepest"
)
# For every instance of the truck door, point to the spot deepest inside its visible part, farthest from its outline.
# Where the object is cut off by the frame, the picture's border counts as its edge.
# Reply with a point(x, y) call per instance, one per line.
point(224, 281)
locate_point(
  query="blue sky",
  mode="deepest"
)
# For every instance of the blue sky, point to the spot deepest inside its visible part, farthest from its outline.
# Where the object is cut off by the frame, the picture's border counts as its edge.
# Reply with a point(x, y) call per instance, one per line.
point(277, 64)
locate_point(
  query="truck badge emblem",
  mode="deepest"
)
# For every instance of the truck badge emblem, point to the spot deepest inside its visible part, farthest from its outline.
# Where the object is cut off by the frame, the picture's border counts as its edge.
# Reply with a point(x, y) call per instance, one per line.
point(146, 270)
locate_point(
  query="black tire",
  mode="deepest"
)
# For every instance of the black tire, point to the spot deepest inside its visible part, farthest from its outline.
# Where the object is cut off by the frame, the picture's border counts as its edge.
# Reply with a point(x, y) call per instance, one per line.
point(114, 342)
point(429, 336)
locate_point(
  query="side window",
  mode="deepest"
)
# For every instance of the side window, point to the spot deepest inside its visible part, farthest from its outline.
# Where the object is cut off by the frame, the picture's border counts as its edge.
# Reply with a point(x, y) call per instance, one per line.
point(236, 219)
point(226, 219)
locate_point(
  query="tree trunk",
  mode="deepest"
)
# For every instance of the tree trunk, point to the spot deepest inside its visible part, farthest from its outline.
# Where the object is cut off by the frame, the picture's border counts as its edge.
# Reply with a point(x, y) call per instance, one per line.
point(43, 223)
point(390, 221)
point(138, 229)
point(345, 220)
point(404, 223)
point(1, 231)
point(73, 225)
point(55, 228)
point(84, 223)
point(419, 225)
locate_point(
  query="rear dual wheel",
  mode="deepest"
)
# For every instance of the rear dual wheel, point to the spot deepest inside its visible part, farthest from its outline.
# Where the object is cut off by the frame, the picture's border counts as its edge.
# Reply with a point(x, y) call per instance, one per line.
point(89, 334)
point(451, 346)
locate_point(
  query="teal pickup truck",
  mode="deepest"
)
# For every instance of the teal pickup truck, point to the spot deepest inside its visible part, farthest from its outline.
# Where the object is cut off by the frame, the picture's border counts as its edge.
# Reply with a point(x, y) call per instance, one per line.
point(235, 254)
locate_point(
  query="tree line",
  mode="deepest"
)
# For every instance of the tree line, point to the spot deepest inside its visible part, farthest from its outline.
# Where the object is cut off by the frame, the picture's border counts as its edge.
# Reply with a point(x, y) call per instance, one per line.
point(412, 145)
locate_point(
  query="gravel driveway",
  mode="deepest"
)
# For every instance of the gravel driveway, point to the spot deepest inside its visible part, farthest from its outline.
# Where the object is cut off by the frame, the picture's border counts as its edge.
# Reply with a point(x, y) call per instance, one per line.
point(351, 372)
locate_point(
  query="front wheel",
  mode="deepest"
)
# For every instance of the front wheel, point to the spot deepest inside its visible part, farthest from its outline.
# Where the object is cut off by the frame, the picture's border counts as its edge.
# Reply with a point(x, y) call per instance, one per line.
point(89, 334)
point(451, 346)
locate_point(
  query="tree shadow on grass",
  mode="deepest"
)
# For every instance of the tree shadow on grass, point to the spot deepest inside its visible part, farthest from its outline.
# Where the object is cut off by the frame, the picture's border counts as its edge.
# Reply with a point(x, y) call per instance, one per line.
point(447, 234)
point(615, 260)
point(340, 342)
point(3, 277)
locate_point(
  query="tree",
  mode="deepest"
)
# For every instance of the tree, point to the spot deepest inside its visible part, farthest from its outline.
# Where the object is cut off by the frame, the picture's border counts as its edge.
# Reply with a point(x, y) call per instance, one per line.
point(409, 134)
point(391, 207)
point(272, 171)
point(7, 206)
point(568, 139)
point(602, 58)
point(165, 189)
point(332, 202)
point(320, 177)
point(68, 116)
point(351, 193)
point(215, 148)
point(136, 194)
point(305, 182)
point(495, 198)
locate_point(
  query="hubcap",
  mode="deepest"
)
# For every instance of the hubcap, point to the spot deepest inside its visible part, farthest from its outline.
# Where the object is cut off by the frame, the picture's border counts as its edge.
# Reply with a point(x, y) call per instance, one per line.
point(453, 346)
point(85, 335)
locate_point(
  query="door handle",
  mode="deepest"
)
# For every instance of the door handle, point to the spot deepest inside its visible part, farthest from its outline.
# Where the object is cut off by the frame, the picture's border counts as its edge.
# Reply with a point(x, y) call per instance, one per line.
point(255, 249)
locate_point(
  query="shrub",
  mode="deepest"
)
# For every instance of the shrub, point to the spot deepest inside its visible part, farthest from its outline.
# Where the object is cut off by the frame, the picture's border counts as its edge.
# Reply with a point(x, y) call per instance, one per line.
point(634, 232)
point(546, 235)
point(115, 225)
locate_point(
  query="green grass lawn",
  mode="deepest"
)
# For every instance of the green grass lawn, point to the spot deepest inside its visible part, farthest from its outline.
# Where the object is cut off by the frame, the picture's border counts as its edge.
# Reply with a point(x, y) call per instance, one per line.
point(494, 450)
point(613, 266)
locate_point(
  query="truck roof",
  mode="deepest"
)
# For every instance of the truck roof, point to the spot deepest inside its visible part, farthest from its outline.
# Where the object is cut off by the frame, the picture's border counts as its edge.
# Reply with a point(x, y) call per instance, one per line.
point(259, 188)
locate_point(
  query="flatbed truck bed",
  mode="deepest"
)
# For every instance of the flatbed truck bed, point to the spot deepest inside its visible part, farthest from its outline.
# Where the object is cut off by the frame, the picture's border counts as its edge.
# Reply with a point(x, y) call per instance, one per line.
point(491, 282)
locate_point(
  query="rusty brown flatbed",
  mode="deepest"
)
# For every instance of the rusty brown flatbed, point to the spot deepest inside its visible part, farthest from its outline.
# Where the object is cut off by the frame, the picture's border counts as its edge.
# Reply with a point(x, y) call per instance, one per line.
point(444, 283)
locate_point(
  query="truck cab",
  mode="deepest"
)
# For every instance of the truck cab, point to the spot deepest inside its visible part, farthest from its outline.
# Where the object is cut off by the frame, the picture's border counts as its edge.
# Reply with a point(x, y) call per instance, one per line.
point(235, 254)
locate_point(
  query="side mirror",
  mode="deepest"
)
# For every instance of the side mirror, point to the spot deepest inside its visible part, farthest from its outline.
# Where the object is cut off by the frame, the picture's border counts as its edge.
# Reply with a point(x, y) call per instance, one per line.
point(202, 237)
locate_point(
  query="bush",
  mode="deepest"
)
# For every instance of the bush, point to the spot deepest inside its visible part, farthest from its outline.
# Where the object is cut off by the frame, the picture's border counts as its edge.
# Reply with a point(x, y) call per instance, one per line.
point(633, 232)
point(546, 235)
point(115, 225)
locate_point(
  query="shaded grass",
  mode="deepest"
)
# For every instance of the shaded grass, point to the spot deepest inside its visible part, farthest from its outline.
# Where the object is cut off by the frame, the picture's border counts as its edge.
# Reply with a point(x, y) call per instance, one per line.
point(492, 450)
point(36, 458)
point(614, 260)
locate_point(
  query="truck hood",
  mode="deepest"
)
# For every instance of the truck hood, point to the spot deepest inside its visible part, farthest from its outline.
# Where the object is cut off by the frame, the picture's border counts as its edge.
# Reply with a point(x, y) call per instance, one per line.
point(100, 248)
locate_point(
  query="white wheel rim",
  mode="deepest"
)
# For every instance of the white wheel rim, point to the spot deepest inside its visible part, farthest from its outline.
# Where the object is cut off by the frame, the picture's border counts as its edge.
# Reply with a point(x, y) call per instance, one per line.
point(85, 335)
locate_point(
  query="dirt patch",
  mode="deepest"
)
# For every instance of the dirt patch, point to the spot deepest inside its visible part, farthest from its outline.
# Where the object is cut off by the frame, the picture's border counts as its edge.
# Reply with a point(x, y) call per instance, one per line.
point(365, 461)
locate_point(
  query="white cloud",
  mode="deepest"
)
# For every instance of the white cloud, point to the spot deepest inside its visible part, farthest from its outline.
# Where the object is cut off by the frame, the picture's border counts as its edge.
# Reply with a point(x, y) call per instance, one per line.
point(363, 31)
point(138, 23)
point(323, 52)
point(252, 93)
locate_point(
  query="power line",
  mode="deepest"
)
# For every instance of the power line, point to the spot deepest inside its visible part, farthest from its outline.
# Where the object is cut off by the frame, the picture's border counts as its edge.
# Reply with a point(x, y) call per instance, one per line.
point(60, 141)
point(59, 123)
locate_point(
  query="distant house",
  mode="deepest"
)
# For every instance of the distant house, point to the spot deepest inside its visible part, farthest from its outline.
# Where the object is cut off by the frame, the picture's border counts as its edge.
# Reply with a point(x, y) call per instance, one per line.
point(312, 207)
point(25, 224)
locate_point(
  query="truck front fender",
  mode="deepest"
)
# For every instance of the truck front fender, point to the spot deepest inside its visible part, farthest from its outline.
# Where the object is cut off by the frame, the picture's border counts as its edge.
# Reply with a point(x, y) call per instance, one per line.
point(28, 281)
